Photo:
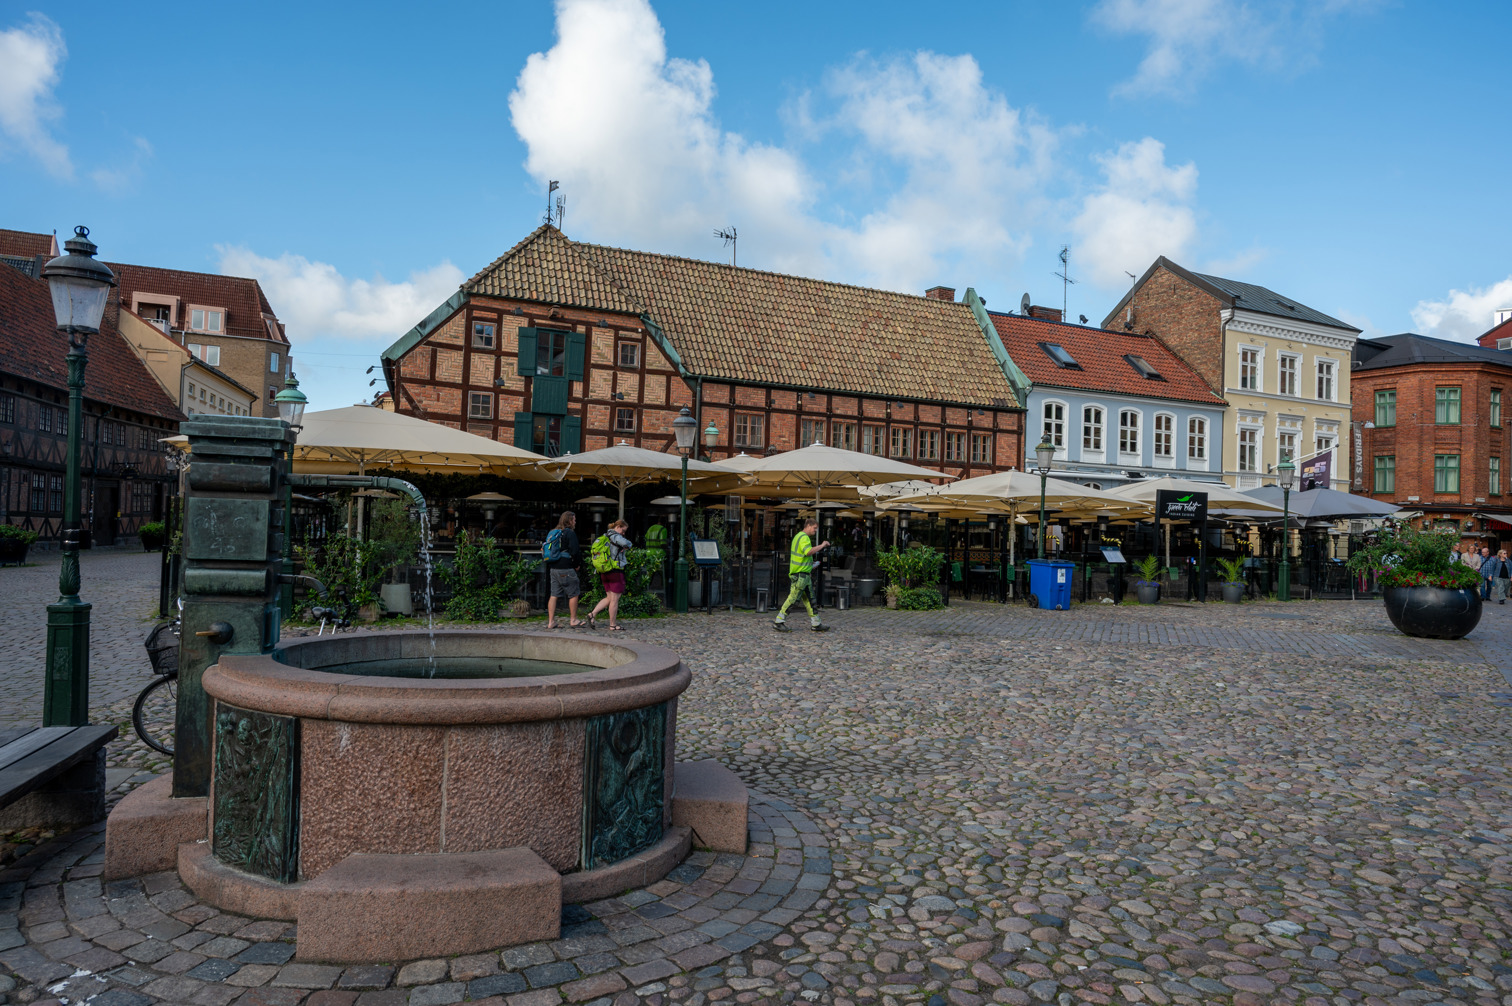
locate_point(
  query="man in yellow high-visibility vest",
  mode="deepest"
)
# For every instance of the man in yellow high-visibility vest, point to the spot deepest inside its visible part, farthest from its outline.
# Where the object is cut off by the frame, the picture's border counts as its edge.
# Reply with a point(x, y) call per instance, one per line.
point(801, 571)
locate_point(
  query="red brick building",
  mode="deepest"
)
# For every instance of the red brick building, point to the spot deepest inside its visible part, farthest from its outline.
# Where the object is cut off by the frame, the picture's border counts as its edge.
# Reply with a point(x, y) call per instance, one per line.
point(1498, 336)
point(561, 346)
point(126, 413)
point(1440, 437)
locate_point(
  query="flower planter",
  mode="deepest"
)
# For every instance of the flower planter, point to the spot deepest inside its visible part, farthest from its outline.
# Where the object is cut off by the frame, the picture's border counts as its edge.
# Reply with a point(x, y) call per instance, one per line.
point(396, 599)
point(1148, 593)
point(152, 542)
point(13, 550)
point(1233, 593)
point(1434, 612)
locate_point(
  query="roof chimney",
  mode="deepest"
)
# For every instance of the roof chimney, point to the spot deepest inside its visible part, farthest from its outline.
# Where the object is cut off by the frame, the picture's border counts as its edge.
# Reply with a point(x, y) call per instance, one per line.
point(1044, 313)
point(940, 293)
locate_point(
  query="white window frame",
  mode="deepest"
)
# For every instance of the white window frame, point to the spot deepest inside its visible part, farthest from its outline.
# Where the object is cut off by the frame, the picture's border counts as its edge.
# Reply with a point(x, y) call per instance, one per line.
point(1055, 427)
point(1100, 427)
point(472, 405)
point(206, 315)
point(1321, 366)
point(1158, 459)
point(1259, 372)
point(1256, 435)
point(984, 441)
point(272, 363)
point(1136, 456)
point(204, 353)
point(1197, 462)
point(1282, 454)
point(1294, 373)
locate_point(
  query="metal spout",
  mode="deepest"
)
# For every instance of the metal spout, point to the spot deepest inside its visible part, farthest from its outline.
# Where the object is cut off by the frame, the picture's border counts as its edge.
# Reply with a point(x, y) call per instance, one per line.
point(362, 482)
point(295, 579)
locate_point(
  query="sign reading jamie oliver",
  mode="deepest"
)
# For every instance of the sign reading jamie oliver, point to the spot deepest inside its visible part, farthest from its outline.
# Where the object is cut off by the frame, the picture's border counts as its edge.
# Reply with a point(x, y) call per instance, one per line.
point(1173, 505)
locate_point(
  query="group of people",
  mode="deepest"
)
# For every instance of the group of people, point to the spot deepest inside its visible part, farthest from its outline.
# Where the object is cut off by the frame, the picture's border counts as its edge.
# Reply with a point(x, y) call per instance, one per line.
point(563, 554)
point(1495, 570)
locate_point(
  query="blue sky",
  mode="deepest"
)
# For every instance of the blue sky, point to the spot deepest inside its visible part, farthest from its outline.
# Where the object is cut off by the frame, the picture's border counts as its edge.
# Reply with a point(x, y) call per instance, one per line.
point(1350, 154)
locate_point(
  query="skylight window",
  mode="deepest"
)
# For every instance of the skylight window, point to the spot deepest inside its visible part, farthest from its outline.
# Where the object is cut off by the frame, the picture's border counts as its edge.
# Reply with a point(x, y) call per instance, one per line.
point(1062, 359)
point(1143, 368)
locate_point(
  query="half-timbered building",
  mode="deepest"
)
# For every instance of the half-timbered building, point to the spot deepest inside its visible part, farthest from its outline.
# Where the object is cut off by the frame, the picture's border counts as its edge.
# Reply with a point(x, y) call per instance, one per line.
point(561, 346)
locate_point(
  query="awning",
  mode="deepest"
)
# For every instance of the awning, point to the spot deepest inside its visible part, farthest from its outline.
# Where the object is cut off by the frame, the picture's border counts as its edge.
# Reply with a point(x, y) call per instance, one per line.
point(1499, 518)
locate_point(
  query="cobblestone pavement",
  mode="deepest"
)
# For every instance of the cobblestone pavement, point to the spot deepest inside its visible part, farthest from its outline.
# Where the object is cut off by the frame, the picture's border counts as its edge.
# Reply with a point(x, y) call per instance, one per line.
point(1112, 805)
point(121, 586)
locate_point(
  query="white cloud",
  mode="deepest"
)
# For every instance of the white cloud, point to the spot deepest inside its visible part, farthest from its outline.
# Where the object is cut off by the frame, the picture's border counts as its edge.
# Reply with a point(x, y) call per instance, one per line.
point(30, 59)
point(124, 175)
point(1143, 210)
point(1464, 314)
point(1187, 39)
point(314, 300)
point(633, 137)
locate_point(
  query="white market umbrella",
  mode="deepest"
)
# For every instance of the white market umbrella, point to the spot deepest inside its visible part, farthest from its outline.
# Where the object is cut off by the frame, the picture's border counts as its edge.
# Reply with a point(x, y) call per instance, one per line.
point(623, 466)
point(1218, 494)
point(819, 467)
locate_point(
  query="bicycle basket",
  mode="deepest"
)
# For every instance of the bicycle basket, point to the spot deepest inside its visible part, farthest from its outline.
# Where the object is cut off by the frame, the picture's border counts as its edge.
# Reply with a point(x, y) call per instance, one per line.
point(163, 649)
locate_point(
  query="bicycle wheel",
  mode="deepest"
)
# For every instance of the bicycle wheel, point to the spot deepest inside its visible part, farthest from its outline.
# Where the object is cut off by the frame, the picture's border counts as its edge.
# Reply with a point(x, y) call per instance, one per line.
point(154, 714)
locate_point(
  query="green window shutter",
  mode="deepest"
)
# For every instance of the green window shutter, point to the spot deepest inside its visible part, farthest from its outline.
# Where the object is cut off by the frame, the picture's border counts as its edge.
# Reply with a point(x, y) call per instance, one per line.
point(523, 431)
point(577, 344)
point(572, 434)
point(549, 395)
point(525, 366)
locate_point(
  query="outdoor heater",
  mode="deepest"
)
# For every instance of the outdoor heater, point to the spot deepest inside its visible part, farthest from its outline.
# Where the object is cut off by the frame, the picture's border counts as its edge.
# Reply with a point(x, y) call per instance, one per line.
point(1286, 477)
point(685, 429)
point(1045, 454)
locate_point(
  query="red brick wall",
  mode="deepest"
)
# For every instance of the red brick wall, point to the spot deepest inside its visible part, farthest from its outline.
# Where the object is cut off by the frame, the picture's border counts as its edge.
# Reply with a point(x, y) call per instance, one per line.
point(1184, 317)
point(1416, 438)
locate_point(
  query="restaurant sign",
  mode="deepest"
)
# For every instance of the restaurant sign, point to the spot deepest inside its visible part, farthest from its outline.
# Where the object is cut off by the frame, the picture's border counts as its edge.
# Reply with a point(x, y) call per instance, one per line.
point(1173, 505)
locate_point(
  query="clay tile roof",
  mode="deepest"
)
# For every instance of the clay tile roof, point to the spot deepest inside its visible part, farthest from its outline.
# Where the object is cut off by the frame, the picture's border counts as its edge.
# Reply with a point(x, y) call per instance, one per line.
point(31, 347)
point(246, 307)
point(766, 328)
point(24, 244)
point(1100, 354)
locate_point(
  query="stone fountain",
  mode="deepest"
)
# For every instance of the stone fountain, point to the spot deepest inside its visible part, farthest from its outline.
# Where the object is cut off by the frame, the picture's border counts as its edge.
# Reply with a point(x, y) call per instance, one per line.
point(400, 794)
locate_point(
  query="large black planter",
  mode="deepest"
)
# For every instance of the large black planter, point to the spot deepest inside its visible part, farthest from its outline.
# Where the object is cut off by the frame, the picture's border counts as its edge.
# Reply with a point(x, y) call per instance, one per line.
point(1435, 612)
point(13, 550)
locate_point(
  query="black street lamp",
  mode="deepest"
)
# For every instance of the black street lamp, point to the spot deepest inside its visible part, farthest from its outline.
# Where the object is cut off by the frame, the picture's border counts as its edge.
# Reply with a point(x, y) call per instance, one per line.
point(80, 288)
point(1045, 454)
point(685, 428)
point(291, 404)
point(1286, 476)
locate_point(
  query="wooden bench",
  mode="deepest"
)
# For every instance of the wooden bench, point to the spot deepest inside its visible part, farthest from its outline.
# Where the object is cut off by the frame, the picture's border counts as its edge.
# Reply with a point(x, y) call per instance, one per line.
point(53, 777)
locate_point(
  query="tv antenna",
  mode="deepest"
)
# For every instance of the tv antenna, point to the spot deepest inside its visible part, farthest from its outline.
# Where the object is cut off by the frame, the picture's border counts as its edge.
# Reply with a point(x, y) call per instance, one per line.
point(550, 188)
point(1065, 277)
point(731, 239)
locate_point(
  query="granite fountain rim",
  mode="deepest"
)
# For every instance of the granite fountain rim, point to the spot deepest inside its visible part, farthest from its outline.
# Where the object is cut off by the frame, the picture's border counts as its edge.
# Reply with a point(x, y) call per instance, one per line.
point(628, 675)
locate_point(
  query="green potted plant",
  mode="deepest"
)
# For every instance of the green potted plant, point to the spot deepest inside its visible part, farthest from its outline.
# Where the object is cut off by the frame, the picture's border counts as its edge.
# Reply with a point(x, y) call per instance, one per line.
point(1233, 579)
point(893, 592)
point(14, 541)
point(910, 568)
point(1147, 587)
point(153, 533)
point(1425, 593)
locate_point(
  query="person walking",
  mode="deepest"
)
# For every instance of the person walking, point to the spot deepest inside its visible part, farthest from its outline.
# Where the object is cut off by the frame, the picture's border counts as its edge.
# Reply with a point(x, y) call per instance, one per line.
point(801, 572)
point(609, 554)
point(564, 556)
point(1498, 572)
point(1485, 574)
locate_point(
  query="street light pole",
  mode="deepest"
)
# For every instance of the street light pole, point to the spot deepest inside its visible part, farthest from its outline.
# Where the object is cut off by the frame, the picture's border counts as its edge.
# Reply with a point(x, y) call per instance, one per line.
point(685, 428)
point(291, 404)
point(80, 287)
point(1286, 474)
point(1045, 453)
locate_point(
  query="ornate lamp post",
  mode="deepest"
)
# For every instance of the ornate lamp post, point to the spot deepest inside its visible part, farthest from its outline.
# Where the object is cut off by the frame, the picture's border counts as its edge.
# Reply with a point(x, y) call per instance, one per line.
point(685, 428)
point(1286, 476)
point(80, 287)
point(1045, 454)
point(291, 404)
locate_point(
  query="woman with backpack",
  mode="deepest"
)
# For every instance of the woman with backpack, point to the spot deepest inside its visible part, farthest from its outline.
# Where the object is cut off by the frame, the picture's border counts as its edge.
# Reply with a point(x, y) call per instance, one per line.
point(609, 554)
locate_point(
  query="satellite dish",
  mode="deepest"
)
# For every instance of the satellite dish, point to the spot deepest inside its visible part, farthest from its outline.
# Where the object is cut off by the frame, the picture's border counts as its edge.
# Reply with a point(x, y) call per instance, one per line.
point(1024, 304)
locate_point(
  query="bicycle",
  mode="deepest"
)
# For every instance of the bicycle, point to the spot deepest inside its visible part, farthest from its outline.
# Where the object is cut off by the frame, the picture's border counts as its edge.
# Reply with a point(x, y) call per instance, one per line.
point(155, 712)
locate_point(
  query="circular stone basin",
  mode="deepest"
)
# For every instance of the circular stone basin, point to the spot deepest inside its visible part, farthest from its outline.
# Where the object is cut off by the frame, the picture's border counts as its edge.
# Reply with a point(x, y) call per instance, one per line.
point(348, 744)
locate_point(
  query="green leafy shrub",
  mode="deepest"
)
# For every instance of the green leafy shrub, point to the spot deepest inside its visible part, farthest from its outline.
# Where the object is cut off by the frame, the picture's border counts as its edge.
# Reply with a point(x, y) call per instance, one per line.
point(1232, 569)
point(20, 534)
point(920, 599)
point(395, 537)
point(483, 578)
point(155, 528)
point(345, 565)
point(1402, 556)
point(914, 566)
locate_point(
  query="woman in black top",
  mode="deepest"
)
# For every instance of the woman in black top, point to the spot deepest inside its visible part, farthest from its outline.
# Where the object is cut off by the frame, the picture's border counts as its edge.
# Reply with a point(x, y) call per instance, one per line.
point(564, 578)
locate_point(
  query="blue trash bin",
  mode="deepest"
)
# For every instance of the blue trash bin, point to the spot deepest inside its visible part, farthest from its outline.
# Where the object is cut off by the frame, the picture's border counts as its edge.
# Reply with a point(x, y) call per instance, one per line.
point(1051, 583)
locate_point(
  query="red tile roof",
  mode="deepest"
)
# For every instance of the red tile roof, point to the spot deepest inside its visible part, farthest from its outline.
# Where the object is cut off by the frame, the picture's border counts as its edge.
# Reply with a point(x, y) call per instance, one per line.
point(31, 347)
point(1101, 355)
point(247, 309)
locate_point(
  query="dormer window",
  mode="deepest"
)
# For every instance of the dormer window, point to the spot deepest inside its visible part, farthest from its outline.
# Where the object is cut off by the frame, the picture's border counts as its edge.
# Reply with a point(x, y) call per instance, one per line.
point(207, 319)
point(1143, 368)
point(1062, 359)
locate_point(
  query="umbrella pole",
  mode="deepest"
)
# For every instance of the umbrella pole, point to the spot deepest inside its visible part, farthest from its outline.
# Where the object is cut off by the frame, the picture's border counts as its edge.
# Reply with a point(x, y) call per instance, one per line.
point(622, 499)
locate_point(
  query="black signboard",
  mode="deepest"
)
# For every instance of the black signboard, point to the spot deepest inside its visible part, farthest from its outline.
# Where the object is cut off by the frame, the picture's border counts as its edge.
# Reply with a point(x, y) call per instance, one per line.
point(1173, 505)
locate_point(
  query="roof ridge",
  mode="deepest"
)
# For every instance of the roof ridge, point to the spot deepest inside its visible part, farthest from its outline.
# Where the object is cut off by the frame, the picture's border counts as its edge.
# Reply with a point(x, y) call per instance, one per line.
point(1068, 324)
point(527, 239)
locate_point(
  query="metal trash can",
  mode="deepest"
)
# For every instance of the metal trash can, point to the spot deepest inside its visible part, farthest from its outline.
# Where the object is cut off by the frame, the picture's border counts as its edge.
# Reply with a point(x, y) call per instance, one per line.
point(761, 599)
point(1050, 583)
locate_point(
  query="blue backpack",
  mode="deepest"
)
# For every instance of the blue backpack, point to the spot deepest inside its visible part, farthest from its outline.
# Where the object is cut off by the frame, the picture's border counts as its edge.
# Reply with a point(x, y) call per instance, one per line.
point(553, 550)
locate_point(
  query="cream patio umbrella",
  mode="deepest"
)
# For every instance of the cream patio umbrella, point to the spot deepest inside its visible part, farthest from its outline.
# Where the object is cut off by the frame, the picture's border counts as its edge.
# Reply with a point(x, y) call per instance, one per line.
point(623, 466)
point(342, 441)
point(819, 467)
point(1218, 494)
